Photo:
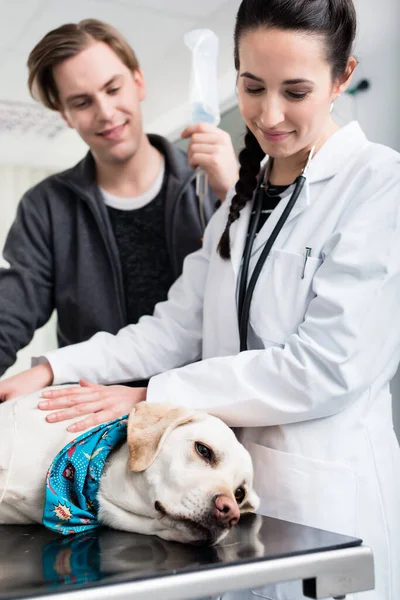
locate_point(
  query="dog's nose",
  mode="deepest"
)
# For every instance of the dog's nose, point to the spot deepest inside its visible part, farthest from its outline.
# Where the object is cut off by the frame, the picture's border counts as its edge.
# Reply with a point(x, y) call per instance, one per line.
point(226, 510)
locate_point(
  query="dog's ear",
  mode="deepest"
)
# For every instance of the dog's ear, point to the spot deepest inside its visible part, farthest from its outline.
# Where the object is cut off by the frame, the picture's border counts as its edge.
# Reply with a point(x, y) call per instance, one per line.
point(148, 426)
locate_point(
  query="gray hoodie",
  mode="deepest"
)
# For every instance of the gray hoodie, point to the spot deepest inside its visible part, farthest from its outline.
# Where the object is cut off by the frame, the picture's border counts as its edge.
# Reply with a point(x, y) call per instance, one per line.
point(63, 255)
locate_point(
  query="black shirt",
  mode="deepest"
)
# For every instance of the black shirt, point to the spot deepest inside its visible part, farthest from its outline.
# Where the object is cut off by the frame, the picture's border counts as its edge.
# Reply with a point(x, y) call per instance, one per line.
point(270, 201)
point(146, 268)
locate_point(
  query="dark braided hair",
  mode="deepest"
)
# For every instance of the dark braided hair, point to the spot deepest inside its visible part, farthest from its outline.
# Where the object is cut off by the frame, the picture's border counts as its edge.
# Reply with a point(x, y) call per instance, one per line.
point(249, 159)
point(333, 20)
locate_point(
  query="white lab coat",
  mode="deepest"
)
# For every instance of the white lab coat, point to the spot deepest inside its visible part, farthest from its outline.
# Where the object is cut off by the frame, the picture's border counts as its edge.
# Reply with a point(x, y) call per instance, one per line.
point(311, 395)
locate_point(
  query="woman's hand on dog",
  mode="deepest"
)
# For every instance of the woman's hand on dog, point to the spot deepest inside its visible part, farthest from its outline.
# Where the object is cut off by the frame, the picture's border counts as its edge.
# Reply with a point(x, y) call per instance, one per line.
point(101, 403)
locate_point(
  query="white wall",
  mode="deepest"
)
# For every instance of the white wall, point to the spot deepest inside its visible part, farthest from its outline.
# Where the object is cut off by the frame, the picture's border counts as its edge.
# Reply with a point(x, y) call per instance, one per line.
point(378, 51)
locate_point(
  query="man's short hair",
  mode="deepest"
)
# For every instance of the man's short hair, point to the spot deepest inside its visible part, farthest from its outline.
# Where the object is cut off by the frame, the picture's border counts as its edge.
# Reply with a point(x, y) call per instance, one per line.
point(65, 42)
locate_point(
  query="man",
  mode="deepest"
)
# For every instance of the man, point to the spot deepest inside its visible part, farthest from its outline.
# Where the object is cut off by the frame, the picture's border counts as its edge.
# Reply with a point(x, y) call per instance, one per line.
point(102, 242)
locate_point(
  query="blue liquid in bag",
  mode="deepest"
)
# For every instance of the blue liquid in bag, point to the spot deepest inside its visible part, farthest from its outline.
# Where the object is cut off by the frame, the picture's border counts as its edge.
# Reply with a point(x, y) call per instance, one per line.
point(200, 114)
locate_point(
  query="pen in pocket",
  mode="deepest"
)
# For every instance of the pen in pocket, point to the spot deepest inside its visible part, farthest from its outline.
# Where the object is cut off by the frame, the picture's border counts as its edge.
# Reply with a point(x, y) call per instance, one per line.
point(307, 254)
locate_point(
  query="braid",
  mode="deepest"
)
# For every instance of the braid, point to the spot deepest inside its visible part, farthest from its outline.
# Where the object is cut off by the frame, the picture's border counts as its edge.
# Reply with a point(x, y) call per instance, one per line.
point(249, 159)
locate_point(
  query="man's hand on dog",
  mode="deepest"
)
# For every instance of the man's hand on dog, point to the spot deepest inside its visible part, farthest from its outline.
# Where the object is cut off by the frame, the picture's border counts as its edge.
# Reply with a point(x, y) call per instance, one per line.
point(101, 403)
point(26, 382)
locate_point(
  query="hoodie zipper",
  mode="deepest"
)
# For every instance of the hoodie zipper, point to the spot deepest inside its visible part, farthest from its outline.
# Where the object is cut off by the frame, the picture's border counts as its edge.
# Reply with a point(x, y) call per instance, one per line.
point(170, 237)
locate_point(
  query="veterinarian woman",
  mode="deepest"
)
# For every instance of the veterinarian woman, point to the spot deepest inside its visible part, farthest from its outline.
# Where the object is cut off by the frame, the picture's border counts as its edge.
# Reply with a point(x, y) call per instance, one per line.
point(308, 382)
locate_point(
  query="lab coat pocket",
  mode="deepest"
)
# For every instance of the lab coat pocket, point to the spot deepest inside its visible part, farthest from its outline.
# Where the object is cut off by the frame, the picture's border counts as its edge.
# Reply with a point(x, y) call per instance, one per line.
point(282, 295)
point(304, 490)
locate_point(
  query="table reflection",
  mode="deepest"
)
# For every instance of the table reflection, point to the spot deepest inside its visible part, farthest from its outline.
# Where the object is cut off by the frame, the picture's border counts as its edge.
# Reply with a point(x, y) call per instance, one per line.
point(33, 557)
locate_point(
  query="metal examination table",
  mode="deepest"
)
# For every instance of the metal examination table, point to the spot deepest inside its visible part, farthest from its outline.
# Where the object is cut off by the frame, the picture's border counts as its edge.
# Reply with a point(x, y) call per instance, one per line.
point(107, 564)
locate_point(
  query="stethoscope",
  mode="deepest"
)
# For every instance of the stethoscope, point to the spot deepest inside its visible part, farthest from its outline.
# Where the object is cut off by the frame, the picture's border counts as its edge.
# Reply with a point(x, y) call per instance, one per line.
point(246, 291)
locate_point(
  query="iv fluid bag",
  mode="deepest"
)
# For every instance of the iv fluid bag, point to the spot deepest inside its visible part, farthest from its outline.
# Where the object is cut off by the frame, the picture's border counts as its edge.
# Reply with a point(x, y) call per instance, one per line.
point(203, 92)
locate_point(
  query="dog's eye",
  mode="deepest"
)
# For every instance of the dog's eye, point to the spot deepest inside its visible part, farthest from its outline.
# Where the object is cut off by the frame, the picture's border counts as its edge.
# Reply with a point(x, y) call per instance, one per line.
point(240, 495)
point(204, 451)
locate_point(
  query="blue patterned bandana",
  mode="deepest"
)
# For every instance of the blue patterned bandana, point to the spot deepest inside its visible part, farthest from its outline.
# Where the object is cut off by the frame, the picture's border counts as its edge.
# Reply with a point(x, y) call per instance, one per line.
point(73, 478)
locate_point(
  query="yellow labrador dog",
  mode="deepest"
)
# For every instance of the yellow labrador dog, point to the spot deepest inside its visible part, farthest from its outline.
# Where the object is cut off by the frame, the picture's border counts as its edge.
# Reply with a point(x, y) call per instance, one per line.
point(177, 473)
